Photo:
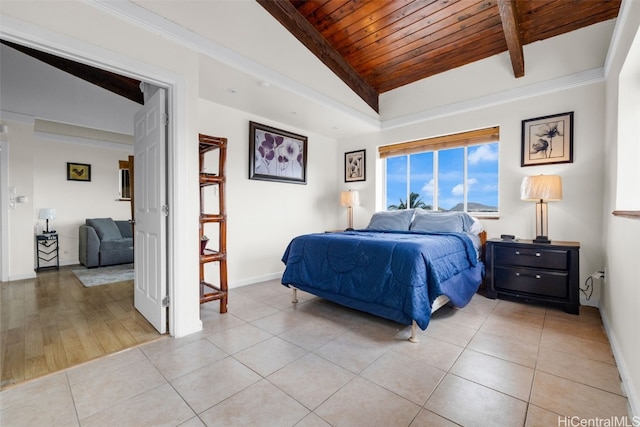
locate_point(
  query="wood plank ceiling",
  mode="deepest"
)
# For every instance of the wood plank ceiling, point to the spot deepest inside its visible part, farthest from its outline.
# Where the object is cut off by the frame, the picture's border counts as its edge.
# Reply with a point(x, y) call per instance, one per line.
point(376, 46)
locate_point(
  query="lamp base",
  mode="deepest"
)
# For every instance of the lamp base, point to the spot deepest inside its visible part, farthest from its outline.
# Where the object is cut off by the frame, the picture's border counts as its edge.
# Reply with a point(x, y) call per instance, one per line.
point(541, 239)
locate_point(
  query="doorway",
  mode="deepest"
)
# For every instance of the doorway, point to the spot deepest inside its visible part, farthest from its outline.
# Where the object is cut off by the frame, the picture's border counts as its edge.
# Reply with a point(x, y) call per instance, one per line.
point(169, 88)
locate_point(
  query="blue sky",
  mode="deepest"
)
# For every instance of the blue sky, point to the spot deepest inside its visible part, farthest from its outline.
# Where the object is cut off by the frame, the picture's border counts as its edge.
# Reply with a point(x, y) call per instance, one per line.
point(482, 179)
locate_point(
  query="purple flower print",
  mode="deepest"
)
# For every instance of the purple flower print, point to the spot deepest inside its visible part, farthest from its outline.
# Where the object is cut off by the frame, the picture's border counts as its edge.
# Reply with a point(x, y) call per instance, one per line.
point(287, 154)
point(267, 148)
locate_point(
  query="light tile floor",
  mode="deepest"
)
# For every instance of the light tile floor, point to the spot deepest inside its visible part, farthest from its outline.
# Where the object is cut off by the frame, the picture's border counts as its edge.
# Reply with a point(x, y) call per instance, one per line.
point(270, 363)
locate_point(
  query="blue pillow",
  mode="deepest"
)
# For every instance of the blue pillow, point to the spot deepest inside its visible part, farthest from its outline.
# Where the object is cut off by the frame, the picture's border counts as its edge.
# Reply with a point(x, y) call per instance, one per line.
point(106, 228)
point(430, 221)
point(391, 220)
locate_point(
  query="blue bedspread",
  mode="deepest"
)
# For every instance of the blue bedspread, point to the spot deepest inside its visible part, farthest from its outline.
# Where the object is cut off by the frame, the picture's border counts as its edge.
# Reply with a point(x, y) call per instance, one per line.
point(396, 275)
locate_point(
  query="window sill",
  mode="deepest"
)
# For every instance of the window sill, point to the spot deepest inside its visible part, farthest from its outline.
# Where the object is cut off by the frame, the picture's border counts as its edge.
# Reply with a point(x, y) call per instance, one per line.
point(627, 214)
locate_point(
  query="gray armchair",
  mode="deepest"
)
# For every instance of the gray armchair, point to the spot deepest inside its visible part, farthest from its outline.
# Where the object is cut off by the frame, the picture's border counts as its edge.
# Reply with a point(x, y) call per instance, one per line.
point(104, 241)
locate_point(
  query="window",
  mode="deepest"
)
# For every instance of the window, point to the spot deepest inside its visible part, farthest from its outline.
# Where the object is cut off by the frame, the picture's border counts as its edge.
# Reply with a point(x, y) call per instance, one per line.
point(453, 173)
point(124, 185)
point(125, 171)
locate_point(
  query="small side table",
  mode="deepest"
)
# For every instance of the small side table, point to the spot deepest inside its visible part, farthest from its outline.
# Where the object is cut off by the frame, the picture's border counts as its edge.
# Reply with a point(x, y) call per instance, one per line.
point(47, 251)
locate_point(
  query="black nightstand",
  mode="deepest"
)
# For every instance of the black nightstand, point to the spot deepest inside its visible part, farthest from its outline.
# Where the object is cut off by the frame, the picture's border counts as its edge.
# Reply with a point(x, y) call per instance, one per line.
point(47, 251)
point(547, 273)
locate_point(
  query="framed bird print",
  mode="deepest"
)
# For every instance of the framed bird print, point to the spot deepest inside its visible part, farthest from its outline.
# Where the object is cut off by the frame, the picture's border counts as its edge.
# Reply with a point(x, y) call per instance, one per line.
point(547, 140)
point(78, 172)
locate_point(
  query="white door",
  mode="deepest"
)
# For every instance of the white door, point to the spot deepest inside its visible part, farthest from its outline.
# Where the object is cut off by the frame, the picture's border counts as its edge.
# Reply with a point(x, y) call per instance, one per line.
point(150, 281)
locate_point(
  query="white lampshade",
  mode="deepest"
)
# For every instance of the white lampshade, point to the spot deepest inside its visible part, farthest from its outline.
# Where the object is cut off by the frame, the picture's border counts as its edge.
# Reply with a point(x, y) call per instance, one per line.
point(47, 213)
point(541, 187)
point(349, 198)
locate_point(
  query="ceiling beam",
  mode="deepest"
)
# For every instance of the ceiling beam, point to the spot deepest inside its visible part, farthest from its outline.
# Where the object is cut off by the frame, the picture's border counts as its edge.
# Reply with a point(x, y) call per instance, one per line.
point(124, 86)
point(292, 20)
point(511, 28)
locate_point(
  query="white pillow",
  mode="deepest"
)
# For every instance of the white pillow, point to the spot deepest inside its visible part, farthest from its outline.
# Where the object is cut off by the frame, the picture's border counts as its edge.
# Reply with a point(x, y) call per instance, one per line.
point(476, 227)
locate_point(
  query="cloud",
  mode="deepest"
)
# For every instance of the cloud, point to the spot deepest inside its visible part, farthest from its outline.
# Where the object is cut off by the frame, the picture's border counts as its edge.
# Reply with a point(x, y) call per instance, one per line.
point(428, 188)
point(483, 153)
point(458, 189)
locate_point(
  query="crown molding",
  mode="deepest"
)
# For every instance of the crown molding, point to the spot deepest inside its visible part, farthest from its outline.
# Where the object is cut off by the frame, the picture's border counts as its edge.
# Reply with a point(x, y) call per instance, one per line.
point(581, 78)
point(153, 22)
point(17, 117)
point(68, 139)
point(614, 44)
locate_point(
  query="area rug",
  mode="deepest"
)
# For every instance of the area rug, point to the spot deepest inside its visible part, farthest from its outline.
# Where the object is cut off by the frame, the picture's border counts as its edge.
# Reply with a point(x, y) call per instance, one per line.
point(104, 275)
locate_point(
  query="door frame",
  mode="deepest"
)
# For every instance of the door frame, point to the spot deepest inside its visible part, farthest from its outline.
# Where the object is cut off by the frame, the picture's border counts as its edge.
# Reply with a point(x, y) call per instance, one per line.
point(182, 319)
point(4, 209)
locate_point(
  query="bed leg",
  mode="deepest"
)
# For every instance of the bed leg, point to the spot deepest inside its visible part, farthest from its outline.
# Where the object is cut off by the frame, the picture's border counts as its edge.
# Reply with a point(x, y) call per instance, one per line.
point(294, 296)
point(414, 335)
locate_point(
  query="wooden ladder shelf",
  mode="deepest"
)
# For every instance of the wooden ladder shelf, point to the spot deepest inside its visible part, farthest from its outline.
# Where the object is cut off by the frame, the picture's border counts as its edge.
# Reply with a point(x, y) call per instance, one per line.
point(210, 291)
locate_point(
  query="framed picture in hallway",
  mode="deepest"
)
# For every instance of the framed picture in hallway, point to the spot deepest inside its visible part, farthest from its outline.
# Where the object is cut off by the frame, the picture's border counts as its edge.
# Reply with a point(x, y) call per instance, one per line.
point(78, 172)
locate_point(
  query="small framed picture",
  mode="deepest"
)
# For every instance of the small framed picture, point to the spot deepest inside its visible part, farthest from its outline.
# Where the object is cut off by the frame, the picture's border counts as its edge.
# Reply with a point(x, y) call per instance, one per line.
point(277, 155)
point(547, 140)
point(78, 172)
point(355, 166)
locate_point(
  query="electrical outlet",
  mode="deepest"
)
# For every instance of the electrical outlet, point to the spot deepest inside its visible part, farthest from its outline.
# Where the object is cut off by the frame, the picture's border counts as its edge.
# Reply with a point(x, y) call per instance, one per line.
point(598, 275)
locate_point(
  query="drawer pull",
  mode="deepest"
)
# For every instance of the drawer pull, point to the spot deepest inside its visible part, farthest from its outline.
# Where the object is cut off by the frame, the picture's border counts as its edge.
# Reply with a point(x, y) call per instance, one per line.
point(537, 276)
point(537, 253)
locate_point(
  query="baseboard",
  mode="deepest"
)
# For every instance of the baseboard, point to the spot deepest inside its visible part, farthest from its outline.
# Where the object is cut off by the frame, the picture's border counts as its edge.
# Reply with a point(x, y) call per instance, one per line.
point(31, 275)
point(254, 280)
point(633, 398)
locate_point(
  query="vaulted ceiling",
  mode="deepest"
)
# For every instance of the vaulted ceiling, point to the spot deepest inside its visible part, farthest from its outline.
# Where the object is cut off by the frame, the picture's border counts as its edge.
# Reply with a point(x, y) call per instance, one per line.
point(375, 46)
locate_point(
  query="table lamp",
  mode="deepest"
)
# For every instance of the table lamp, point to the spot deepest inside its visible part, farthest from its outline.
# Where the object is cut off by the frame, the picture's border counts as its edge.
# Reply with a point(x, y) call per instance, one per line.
point(47, 213)
point(541, 189)
point(349, 199)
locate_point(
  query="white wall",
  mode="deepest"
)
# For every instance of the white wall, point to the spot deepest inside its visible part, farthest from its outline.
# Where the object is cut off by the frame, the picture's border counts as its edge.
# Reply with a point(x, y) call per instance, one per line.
point(37, 168)
point(576, 218)
point(74, 201)
point(263, 216)
point(621, 292)
point(21, 220)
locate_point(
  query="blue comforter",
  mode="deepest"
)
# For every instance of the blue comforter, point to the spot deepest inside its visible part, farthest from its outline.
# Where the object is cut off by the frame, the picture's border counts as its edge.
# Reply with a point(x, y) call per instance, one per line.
point(396, 275)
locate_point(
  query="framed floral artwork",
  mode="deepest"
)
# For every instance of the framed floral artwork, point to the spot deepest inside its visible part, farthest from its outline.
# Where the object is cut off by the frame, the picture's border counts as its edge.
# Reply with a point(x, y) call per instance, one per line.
point(547, 140)
point(78, 172)
point(277, 155)
point(354, 166)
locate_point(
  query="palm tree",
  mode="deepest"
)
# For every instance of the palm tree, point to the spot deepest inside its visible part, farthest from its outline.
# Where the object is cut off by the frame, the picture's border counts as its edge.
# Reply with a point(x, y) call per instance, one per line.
point(414, 202)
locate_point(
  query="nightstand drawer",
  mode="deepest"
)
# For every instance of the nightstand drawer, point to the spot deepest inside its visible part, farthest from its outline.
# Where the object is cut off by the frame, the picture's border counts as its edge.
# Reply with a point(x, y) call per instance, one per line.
point(534, 282)
point(556, 259)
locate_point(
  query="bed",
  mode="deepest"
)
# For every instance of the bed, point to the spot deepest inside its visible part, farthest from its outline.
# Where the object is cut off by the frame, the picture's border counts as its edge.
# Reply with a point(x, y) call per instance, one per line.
point(403, 266)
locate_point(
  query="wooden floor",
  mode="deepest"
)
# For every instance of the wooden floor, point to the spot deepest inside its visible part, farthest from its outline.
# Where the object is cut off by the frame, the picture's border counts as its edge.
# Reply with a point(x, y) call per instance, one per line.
point(53, 322)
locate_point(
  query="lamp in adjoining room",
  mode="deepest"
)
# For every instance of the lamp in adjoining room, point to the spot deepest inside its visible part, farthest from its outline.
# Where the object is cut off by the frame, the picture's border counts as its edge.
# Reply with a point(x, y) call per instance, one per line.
point(349, 199)
point(541, 189)
point(47, 213)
